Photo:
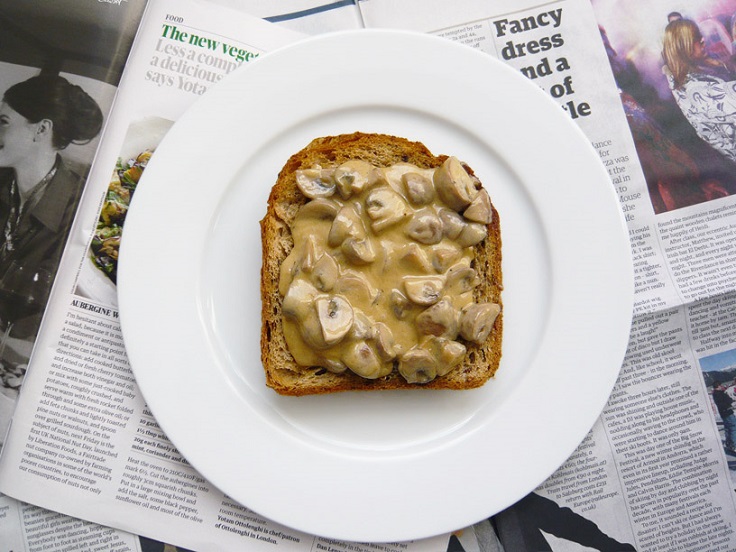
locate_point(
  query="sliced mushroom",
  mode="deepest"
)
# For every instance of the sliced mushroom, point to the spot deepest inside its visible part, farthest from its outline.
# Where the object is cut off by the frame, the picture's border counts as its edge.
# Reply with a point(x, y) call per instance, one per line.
point(362, 326)
point(356, 288)
point(418, 366)
point(444, 256)
point(301, 260)
point(362, 359)
point(315, 182)
point(318, 209)
point(439, 320)
point(358, 251)
point(310, 254)
point(310, 328)
point(400, 304)
point(384, 341)
point(354, 176)
point(325, 273)
point(425, 227)
point(298, 298)
point(448, 353)
point(480, 209)
point(332, 365)
point(347, 224)
point(472, 234)
point(335, 317)
point(476, 321)
point(461, 278)
point(455, 187)
point(453, 353)
point(424, 290)
point(419, 188)
point(385, 207)
point(452, 223)
point(414, 259)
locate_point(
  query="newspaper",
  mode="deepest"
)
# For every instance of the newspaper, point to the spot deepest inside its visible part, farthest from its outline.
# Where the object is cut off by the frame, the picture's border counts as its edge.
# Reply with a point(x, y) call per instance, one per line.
point(653, 474)
point(58, 41)
point(657, 471)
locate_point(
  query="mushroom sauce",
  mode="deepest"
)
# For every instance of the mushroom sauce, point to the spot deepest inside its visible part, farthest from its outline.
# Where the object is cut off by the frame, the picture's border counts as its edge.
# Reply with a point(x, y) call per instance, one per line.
point(381, 274)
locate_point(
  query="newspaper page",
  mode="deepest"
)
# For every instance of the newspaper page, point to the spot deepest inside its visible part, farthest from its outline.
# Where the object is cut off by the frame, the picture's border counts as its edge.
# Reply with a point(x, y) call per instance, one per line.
point(56, 44)
point(657, 472)
point(82, 441)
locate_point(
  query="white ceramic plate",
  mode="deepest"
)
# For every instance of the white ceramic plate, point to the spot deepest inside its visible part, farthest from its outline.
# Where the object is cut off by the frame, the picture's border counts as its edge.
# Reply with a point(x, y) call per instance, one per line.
point(374, 466)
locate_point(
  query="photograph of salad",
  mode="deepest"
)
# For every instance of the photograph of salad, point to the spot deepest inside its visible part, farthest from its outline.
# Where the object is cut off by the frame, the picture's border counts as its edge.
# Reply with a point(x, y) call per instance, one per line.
point(106, 239)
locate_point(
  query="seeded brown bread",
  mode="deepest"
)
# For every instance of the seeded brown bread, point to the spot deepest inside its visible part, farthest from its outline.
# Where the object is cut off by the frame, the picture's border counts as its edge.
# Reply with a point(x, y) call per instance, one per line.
point(282, 373)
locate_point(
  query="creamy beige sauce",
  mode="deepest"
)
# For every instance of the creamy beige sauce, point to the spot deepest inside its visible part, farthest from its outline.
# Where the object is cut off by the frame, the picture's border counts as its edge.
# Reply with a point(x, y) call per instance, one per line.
point(381, 270)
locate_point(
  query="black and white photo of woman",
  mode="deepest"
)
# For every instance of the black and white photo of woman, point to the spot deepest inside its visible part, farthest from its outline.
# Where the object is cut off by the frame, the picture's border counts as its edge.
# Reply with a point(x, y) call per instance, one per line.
point(39, 191)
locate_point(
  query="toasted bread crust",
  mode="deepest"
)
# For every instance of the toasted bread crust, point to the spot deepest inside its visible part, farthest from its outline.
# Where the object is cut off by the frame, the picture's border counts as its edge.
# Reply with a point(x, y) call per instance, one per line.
point(282, 373)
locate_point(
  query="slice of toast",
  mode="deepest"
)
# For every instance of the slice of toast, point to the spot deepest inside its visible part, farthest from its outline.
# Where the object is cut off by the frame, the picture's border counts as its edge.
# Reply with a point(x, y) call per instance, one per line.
point(283, 374)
